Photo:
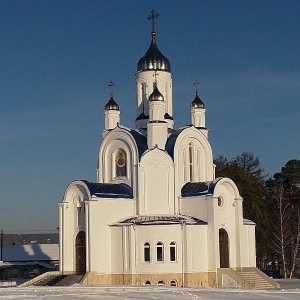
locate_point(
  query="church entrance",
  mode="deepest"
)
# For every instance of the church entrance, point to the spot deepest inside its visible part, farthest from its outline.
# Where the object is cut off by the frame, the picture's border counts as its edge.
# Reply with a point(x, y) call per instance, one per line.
point(224, 248)
point(80, 247)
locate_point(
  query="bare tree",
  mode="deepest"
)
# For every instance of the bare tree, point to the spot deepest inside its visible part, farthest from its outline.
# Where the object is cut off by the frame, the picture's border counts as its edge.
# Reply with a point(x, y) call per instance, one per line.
point(281, 224)
point(296, 245)
point(285, 219)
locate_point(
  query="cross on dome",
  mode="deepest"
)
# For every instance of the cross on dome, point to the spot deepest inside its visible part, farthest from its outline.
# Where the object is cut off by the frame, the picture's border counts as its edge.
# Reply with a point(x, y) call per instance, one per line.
point(111, 86)
point(196, 84)
point(154, 15)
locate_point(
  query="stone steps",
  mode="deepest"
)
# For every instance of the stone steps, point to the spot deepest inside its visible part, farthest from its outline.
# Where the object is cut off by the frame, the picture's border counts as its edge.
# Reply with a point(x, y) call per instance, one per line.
point(60, 280)
point(69, 280)
point(255, 280)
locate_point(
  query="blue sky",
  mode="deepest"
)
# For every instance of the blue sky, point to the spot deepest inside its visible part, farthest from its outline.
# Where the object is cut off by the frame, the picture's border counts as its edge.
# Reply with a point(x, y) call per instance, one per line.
point(57, 58)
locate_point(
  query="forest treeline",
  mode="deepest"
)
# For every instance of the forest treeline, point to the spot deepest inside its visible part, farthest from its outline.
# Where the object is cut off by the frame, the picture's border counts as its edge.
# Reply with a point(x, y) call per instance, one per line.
point(273, 203)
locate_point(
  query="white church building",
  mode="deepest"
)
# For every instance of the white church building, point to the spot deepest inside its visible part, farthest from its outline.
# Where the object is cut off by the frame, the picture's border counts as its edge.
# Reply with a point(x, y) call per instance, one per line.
point(156, 214)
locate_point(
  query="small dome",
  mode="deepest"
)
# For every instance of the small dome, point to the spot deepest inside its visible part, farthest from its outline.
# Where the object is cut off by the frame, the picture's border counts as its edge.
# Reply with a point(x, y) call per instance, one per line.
point(112, 105)
point(153, 59)
point(156, 95)
point(197, 103)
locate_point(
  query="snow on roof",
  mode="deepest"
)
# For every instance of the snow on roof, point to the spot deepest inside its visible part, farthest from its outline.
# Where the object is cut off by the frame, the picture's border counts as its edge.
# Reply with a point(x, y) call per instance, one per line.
point(161, 220)
point(31, 252)
point(30, 263)
point(248, 222)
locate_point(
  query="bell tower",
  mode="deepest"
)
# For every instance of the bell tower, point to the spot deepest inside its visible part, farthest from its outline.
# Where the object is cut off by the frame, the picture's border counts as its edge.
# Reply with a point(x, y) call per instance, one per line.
point(153, 62)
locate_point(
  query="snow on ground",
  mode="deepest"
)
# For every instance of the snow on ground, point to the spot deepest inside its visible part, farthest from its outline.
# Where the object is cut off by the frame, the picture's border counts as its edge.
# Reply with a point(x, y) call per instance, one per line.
point(142, 293)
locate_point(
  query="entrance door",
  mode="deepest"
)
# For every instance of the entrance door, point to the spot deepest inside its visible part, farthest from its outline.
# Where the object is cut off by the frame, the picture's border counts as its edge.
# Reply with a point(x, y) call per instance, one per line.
point(80, 252)
point(224, 248)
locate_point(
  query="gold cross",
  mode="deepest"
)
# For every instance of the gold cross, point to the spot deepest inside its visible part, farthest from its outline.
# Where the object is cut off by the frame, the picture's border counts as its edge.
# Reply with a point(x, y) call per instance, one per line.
point(111, 85)
point(153, 16)
point(196, 84)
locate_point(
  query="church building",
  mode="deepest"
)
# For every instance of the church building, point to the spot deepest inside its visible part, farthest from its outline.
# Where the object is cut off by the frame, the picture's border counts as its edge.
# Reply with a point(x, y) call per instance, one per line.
point(156, 214)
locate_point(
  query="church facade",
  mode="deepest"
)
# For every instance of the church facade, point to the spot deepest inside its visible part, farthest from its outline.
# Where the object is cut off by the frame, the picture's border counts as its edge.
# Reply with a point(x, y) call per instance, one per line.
point(156, 214)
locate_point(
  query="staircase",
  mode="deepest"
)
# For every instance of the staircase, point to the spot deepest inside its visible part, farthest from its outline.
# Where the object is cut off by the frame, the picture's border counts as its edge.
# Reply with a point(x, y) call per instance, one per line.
point(247, 278)
point(70, 280)
point(257, 279)
point(59, 280)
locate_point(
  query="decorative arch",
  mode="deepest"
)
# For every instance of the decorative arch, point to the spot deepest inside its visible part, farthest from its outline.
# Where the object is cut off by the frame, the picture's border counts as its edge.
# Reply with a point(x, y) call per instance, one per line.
point(132, 145)
point(226, 186)
point(192, 154)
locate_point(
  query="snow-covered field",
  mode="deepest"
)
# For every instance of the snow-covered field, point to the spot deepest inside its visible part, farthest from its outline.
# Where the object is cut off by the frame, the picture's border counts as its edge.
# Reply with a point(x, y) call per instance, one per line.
point(142, 293)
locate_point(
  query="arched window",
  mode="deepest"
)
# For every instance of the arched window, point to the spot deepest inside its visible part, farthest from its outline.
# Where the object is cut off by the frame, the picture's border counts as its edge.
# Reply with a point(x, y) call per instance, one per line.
point(81, 214)
point(147, 282)
point(147, 252)
point(160, 282)
point(191, 162)
point(172, 251)
point(80, 210)
point(173, 283)
point(120, 163)
point(184, 165)
point(159, 251)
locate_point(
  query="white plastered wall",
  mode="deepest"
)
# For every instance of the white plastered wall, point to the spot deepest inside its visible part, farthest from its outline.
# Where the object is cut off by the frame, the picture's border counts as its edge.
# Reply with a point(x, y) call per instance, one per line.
point(102, 213)
point(248, 248)
point(194, 206)
point(156, 183)
point(196, 252)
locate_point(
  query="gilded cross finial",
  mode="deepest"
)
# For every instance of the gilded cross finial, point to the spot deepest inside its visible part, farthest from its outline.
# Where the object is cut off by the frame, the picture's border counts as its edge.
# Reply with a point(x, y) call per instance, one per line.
point(154, 15)
point(111, 86)
point(196, 84)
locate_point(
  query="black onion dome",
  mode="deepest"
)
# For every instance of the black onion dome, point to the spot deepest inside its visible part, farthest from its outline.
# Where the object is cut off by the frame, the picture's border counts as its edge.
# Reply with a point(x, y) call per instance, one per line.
point(156, 95)
point(197, 102)
point(112, 105)
point(153, 59)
